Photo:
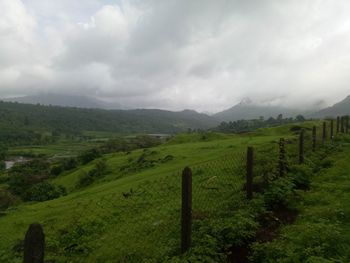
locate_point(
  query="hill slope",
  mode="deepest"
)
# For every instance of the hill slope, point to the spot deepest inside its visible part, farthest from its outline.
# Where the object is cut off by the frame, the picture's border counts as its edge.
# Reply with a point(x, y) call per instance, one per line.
point(18, 118)
point(338, 109)
point(248, 110)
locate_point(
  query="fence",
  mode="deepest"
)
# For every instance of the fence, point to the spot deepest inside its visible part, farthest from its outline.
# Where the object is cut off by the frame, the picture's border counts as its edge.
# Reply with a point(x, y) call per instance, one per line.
point(167, 210)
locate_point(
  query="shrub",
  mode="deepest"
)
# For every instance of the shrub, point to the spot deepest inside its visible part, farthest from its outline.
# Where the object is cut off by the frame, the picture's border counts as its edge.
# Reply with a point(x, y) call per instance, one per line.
point(327, 163)
point(301, 176)
point(56, 170)
point(279, 193)
point(7, 199)
point(2, 165)
point(89, 177)
point(85, 179)
point(90, 155)
point(44, 191)
point(23, 177)
point(70, 163)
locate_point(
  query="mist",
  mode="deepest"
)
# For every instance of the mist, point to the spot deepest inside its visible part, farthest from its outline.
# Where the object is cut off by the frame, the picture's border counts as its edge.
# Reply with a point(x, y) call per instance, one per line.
point(203, 55)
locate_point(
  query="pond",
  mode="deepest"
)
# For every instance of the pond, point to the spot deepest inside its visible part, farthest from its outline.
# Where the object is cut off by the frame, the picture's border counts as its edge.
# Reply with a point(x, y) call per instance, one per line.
point(10, 163)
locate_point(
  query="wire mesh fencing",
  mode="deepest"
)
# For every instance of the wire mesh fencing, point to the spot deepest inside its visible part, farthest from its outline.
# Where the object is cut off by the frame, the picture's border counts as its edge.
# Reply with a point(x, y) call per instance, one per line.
point(142, 222)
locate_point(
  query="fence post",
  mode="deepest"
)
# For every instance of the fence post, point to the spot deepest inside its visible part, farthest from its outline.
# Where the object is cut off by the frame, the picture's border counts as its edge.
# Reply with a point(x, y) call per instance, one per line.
point(34, 244)
point(324, 135)
point(342, 124)
point(249, 183)
point(186, 211)
point(282, 158)
point(301, 147)
point(347, 124)
point(314, 138)
point(332, 130)
point(338, 124)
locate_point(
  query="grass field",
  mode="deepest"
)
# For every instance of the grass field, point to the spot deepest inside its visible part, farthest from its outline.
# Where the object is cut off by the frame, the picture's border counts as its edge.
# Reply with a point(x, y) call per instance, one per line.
point(132, 214)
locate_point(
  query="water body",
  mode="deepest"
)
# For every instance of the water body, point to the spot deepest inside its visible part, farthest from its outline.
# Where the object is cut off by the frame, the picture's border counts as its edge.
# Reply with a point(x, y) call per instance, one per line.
point(10, 163)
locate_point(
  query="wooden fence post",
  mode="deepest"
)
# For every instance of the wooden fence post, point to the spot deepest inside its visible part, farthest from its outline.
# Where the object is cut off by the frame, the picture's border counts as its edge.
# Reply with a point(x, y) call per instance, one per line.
point(250, 163)
point(301, 147)
point(338, 124)
point(186, 211)
point(314, 138)
point(282, 158)
point(332, 130)
point(34, 244)
point(347, 124)
point(342, 124)
point(324, 135)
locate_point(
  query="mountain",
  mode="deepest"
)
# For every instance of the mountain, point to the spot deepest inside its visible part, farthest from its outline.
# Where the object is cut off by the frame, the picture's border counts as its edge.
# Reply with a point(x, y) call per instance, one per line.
point(338, 109)
point(25, 122)
point(65, 101)
point(246, 109)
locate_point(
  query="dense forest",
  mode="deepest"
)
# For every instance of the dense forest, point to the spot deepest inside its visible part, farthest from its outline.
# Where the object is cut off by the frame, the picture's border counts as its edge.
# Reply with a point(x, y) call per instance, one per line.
point(24, 123)
point(251, 125)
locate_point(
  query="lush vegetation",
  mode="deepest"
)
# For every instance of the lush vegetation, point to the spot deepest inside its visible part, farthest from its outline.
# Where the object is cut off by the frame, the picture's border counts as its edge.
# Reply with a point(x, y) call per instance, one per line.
point(22, 124)
point(254, 124)
point(120, 200)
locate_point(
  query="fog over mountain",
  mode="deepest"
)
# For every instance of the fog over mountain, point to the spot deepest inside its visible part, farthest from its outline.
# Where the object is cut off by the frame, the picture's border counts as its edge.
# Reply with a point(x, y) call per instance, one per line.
point(204, 55)
point(339, 109)
point(65, 100)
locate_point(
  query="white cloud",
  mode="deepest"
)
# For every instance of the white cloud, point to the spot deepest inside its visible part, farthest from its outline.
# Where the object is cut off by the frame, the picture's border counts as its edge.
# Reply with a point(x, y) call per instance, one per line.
point(177, 54)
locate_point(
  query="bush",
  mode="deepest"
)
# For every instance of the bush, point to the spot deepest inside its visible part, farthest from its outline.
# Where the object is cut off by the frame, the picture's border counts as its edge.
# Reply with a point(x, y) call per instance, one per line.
point(279, 193)
point(23, 177)
point(44, 191)
point(85, 179)
point(7, 199)
point(98, 171)
point(90, 155)
point(2, 165)
point(301, 176)
point(70, 163)
point(327, 163)
point(56, 170)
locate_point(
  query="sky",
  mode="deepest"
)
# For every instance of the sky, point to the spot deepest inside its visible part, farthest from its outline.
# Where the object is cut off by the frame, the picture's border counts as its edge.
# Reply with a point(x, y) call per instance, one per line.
point(205, 55)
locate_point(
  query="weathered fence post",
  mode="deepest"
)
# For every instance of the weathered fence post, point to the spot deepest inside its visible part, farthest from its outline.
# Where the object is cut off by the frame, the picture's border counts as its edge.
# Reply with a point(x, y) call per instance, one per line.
point(338, 124)
point(332, 130)
point(282, 163)
point(342, 124)
point(347, 124)
point(324, 135)
point(186, 211)
point(34, 244)
point(250, 163)
point(314, 138)
point(301, 147)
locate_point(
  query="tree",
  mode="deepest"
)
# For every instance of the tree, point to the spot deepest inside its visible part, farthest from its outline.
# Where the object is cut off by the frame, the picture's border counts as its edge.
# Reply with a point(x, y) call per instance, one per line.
point(299, 118)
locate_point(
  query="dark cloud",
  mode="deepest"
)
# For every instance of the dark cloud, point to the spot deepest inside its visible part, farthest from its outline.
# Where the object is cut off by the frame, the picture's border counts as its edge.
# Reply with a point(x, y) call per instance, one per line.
point(176, 54)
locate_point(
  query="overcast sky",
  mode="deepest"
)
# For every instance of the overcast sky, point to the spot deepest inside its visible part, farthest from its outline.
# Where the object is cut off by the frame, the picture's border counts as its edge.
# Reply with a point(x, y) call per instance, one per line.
point(174, 54)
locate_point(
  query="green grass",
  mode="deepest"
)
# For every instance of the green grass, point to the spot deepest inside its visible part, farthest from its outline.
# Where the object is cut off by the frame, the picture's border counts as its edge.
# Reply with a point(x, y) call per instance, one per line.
point(59, 149)
point(322, 230)
point(98, 224)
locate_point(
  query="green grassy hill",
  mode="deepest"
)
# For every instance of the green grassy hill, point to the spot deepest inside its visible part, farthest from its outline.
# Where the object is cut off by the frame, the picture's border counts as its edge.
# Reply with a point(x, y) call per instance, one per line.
point(132, 213)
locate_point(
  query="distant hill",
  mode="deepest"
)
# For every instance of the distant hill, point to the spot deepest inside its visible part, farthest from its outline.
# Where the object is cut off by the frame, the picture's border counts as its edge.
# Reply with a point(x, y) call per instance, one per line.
point(28, 121)
point(65, 100)
point(247, 110)
point(338, 109)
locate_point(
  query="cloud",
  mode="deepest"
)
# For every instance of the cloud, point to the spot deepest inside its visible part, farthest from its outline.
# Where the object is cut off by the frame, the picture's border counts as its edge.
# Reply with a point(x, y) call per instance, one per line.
point(206, 55)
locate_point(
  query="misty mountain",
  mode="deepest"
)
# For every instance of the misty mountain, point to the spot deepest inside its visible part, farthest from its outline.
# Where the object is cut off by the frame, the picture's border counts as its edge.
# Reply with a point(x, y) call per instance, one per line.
point(247, 110)
point(64, 100)
point(338, 109)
